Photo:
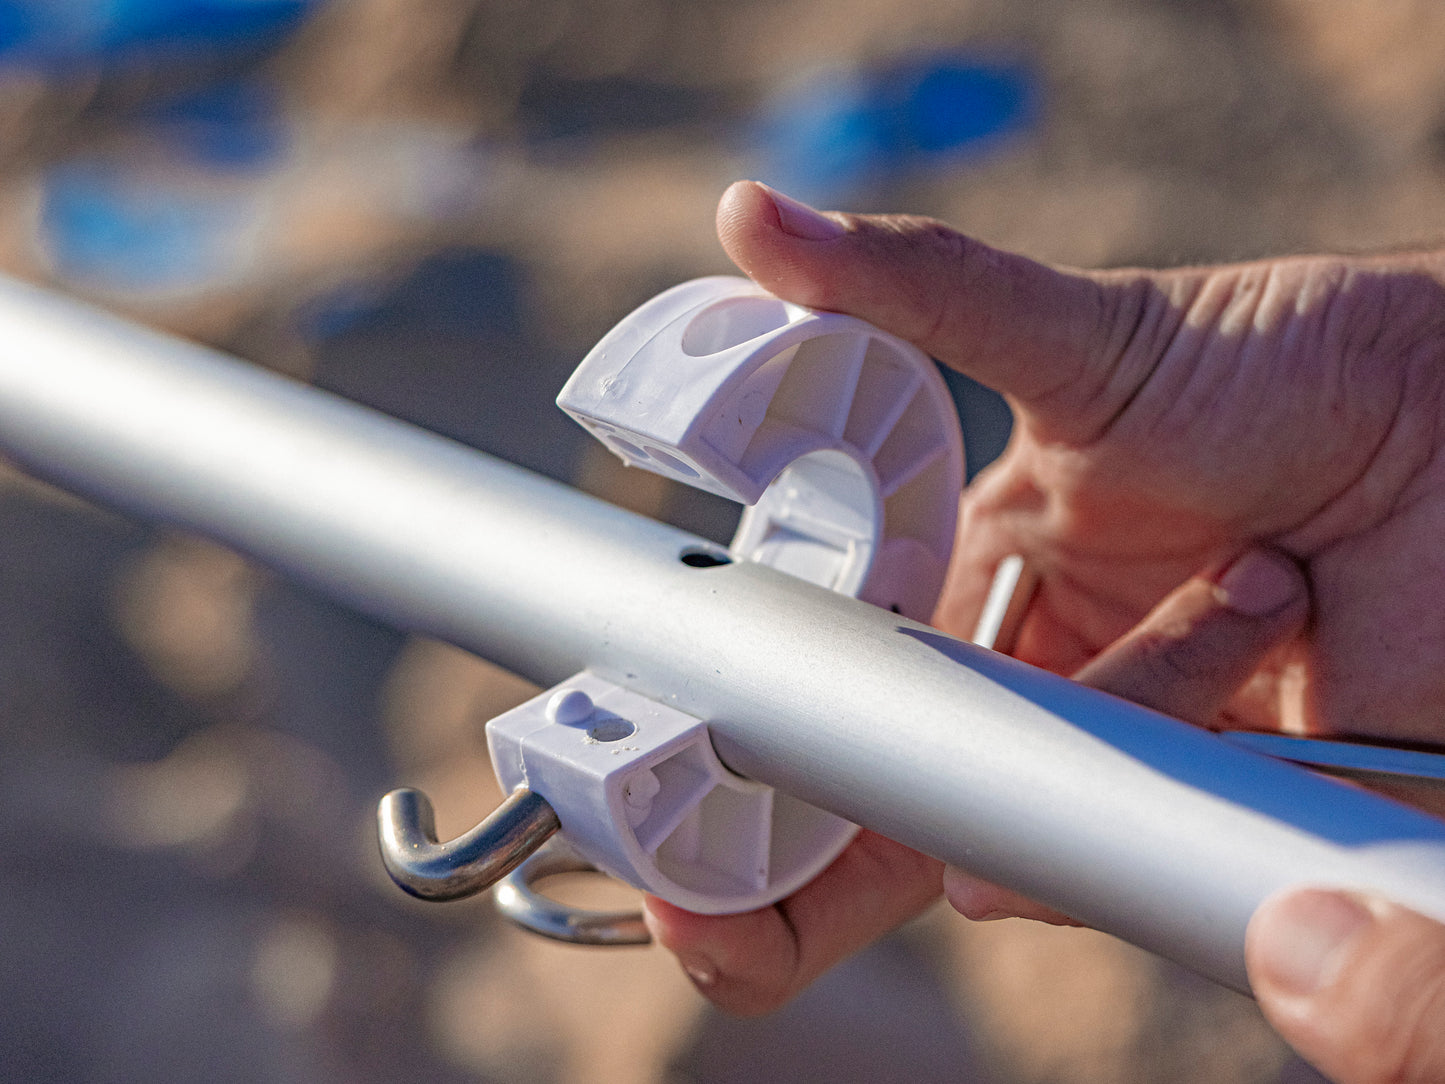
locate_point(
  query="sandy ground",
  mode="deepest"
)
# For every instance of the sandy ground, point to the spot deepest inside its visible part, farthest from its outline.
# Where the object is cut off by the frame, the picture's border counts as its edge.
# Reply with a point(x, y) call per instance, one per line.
point(472, 191)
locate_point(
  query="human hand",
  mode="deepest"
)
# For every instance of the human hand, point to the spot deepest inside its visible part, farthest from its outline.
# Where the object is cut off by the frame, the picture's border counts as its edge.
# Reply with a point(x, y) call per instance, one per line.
point(1166, 421)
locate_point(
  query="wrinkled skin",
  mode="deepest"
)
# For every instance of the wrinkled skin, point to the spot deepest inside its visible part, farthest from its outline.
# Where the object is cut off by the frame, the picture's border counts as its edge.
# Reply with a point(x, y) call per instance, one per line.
point(1281, 420)
point(1296, 403)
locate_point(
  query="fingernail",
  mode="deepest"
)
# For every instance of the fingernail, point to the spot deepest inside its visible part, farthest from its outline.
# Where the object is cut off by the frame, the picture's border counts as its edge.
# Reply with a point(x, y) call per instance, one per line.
point(1301, 941)
point(801, 221)
point(700, 969)
point(1258, 584)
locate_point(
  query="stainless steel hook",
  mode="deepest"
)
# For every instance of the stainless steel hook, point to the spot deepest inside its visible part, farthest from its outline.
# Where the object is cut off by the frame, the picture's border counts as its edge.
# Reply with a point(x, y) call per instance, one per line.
point(431, 870)
point(507, 849)
point(517, 900)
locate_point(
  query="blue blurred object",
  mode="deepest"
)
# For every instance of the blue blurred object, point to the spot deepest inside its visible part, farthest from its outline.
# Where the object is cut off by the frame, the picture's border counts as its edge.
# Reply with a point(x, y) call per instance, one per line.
point(56, 33)
point(839, 133)
point(235, 125)
point(957, 106)
point(111, 229)
point(177, 212)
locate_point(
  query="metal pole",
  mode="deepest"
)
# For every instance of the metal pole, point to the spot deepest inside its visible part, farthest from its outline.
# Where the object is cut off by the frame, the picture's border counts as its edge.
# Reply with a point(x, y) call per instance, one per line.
point(1135, 823)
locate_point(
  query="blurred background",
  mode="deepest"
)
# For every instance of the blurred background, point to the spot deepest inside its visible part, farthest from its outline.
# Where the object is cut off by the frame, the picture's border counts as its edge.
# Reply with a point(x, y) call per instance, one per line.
point(436, 208)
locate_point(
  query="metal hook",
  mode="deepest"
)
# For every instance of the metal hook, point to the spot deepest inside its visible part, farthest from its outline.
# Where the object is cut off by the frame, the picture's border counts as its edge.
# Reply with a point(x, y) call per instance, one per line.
point(516, 899)
point(430, 870)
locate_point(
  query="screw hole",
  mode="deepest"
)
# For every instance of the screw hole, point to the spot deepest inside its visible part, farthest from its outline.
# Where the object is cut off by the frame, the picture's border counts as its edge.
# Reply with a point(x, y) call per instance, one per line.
point(696, 557)
point(894, 608)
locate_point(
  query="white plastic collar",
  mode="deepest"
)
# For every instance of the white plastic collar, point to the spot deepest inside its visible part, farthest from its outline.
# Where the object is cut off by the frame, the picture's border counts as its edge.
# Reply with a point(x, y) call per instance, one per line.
point(841, 439)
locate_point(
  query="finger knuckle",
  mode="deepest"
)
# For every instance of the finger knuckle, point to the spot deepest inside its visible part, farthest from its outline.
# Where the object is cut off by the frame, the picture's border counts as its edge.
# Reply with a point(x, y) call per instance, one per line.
point(1168, 657)
point(951, 257)
point(1179, 661)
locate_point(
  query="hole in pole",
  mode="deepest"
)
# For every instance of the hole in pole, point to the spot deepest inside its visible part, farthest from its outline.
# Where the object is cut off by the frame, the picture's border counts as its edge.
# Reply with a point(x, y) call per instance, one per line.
point(697, 557)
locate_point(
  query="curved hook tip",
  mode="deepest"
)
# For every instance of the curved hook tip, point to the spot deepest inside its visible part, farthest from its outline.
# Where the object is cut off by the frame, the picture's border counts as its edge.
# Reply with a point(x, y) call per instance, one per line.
point(429, 870)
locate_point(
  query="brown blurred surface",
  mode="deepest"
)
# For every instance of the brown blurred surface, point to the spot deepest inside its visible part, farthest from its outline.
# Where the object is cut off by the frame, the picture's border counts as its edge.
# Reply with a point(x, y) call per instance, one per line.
point(470, 192)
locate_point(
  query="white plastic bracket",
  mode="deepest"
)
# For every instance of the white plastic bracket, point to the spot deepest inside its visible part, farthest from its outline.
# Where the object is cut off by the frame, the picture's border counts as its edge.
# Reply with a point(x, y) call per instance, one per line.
point(642, 796)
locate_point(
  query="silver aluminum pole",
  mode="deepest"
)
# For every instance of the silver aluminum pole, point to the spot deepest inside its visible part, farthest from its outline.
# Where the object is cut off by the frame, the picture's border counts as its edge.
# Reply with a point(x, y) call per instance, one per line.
point(1137, 824)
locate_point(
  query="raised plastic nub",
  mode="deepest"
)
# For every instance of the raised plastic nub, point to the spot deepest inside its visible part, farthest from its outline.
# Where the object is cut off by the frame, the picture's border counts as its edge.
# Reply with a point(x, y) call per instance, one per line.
point(842, 439)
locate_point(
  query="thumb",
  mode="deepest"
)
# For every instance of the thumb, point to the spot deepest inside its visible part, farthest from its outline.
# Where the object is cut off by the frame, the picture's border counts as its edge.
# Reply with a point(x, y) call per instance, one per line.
point(1354, 983)
point(1047, 337)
